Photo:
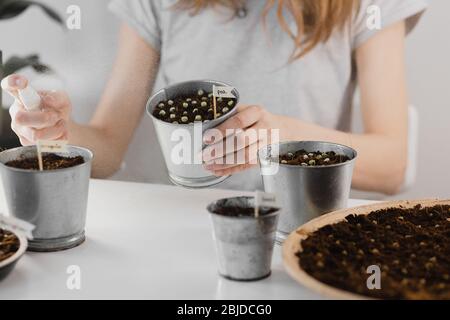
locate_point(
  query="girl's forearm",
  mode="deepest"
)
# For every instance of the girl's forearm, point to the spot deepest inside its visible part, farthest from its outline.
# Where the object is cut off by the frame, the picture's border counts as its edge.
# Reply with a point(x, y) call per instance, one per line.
point(107, 156)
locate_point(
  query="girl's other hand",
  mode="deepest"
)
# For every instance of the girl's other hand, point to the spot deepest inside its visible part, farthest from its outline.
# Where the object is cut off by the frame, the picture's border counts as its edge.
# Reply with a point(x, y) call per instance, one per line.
point(50, 123)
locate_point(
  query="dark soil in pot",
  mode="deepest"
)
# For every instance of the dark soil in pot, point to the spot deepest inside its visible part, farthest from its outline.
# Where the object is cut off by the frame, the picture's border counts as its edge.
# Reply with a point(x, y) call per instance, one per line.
point(193, 108)
point(313, 159)
point(50, 162)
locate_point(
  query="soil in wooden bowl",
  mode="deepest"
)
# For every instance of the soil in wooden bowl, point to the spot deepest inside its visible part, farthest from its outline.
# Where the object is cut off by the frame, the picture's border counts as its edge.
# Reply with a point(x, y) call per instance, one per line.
point(50, 162)
point(410, 246)
point(193, 108)
point(313, 159)
point(9, 244)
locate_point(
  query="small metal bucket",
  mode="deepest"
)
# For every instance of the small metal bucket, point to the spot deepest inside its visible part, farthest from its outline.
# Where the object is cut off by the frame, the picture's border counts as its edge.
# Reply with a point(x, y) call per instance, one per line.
point(306, 192)
point(244, 245)
point(55, 201)
point(191, 175)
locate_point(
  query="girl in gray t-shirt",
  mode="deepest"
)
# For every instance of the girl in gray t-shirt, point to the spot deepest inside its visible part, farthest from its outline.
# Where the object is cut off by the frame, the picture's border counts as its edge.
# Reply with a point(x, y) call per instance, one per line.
point(296, 66)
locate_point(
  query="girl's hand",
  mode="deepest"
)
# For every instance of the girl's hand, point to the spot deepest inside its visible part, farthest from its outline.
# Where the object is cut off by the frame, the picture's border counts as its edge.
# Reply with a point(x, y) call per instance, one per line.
point(233, 145)
point(50, 123)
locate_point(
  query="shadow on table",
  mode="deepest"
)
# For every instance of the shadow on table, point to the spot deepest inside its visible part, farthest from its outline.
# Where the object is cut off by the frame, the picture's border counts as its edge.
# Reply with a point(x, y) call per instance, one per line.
point(278, 286)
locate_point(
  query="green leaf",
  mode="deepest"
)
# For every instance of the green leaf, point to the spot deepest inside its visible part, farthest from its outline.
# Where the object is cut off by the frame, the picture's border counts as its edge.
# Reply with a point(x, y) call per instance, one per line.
point(12, 8)
point(16, 63)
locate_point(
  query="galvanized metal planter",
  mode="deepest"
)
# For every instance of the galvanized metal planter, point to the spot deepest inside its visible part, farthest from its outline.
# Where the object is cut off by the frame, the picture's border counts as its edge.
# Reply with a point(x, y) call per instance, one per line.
point(191, 175)
point(55, 201)
point(306, 192)
point(244, 245)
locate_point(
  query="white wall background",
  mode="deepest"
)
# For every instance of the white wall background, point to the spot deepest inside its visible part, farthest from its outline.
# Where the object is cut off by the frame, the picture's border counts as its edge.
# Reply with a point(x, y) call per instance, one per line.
point(83, 59)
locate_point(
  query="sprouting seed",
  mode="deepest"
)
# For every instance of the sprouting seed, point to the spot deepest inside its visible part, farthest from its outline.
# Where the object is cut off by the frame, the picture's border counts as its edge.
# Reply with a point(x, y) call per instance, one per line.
point(184, 119)
point(185, 104)
point(170, 102)
point(200, 92)
point(162, 113)
point(204, 104)
point(225, 110)
point(231, 103)
point(198, 118)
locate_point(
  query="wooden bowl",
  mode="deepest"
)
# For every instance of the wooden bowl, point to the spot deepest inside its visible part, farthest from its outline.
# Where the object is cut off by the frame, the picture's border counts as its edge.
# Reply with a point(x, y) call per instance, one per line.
point(292, 244)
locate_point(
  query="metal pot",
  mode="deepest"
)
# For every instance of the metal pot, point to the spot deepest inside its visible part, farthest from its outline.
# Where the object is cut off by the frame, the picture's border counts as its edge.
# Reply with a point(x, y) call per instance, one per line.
point(192, 174)
point(305, 192)
point(55, 201)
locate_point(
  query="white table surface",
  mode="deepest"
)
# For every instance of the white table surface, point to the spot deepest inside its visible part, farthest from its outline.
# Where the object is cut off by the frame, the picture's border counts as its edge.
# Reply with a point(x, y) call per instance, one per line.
point(144, 242)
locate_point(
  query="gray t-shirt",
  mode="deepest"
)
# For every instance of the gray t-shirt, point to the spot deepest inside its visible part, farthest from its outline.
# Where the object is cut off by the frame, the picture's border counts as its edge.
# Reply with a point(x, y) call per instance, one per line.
point(317, 88)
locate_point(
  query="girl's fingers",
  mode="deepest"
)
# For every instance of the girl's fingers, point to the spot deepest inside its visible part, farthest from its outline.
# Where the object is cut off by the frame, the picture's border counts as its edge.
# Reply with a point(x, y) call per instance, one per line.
point(13, 83)
point(25, 133)
point(249, 155)
point(234, 170)
point(51, 133)
point(240, 140)
point(15, 107)
point(25, 142)
point(50, 123)
point(33, 135)
point(56, 100)
point(35, 119)
point(246, 117)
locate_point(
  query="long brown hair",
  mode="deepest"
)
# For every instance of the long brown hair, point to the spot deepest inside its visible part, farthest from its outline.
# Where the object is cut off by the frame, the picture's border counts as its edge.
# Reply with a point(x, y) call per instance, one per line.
point(316, 20)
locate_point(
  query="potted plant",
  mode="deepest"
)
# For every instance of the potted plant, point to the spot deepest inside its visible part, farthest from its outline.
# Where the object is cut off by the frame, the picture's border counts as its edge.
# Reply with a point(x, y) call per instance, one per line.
point(244, 240)
point(53, 199)
point(184, 111)
point(310, 178)
point(10, 9)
